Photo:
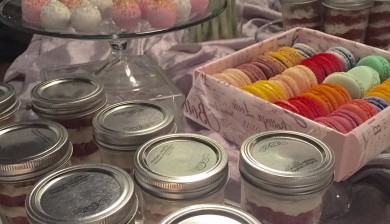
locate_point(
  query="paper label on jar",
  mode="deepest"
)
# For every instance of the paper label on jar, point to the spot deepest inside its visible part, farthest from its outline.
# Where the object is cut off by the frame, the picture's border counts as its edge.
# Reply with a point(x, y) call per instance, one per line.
point(132, 119)
point(181, 158)
point(14, 148)
point(287, 155)
point(80, 195)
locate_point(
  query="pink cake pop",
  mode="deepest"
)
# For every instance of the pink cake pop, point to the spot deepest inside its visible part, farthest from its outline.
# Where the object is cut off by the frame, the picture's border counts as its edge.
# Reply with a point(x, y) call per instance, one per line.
point(31, 10)
point(126, 14)
point(161, 14)
point(199, 6)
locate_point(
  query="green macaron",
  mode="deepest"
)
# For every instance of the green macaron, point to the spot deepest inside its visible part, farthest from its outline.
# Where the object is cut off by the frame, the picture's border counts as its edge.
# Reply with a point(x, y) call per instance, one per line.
point(366, 76)
point(355, 89)
point(379, 63)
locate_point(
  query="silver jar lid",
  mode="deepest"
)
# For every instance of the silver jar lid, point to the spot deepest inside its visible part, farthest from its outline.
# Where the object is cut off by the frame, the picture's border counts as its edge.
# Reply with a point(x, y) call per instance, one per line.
point(32, 149)
point(9, 103)
point(348, 4)
point(68, 97)
point(210, 214)
point(84, 194)
point(131, 124)
point(287, 163)
point(298, 1)
point(181, 166)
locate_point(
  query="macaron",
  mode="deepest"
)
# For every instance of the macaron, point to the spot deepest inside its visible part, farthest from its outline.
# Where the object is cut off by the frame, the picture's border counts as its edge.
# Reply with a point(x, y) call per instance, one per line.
point(327, 96)
point(377, 102)
point(309, 74)
point(284, 86)
point(332, 124)
point(365, 76)
point(265, 68)
point(378, 63)
point(278, 64)
point(228, 79)
point(273, 92)
point(356, 109)
point(354, 88)
point(322, 102)
point(287, 105)
point(306, 49)
point(303, 109)
point(255, 91)
point(317, 69)
point(239, 74)
point(365, 106)
point(293, 54)
point(299, 77)
point(347, 119)
point(252, 70)
point(290, 82)
point(281, 57)
point(275, 67)
point(346, 53)
point(341, 91)
point(314, 105)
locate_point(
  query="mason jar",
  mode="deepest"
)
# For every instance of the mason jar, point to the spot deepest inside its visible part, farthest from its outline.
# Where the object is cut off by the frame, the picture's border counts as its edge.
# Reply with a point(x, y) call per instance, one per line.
point(302, 13)
point(83, 194)
point(210, 214)
point(347, 19)
point(378, 25)
point(9, 104)
point(28, 152)
point(284, 177)
point(119, 130)
point(178, 170)
point(72, 102)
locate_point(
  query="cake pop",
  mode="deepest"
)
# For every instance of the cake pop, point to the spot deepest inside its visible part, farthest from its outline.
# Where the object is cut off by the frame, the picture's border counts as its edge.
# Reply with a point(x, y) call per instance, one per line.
point(55, 16)
point(161, 14)
point(104, 7)
point(85, 17)
point(31, 11)
point(126, 14)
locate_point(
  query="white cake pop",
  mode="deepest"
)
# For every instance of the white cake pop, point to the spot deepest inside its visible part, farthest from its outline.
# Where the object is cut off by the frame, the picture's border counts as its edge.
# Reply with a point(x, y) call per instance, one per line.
point(55, 16)
point(183, 10)
point(104, 7)
point(86, 17)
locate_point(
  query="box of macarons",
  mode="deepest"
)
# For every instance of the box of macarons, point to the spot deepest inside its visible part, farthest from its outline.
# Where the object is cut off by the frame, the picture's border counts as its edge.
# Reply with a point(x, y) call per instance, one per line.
point(301, 80)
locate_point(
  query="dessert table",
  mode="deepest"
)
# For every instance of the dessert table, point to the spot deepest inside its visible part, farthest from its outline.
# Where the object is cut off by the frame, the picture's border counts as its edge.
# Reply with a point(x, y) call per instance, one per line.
point(371, 185)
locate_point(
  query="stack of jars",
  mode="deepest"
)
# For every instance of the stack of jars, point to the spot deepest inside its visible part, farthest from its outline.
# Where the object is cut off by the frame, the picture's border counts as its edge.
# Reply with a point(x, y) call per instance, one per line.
point(363, 21)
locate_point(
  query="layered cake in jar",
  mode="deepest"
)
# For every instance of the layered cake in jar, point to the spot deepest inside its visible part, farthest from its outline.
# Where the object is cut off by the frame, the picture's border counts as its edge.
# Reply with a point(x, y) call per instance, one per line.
point(302, 13)
point(210, 214)
point(91, 193)
point(347, 19)
point(72, 102)
point(378, 30)
point(28, 152)
point(284, 177)
point(121, 129)
point(179, 170)
point(9, 105)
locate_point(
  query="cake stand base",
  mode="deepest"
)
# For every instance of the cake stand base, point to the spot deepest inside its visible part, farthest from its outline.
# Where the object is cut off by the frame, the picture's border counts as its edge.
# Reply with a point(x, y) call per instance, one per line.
point(129, 79)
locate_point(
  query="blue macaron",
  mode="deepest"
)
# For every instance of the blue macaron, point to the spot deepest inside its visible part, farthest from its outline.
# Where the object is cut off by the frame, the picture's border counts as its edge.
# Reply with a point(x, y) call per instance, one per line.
point(377, 102)
point(346, 54)
point(306, 49)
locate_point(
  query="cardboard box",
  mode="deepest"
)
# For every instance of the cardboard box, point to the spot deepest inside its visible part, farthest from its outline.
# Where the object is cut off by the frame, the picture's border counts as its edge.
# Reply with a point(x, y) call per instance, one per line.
point(237, 115)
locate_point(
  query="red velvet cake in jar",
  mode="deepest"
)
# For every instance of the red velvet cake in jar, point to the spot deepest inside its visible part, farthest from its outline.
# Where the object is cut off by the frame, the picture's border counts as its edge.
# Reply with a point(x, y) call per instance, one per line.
point(179, 170)
point(285, 175)
point(378, 30)
point(347, 18)
point(28, 152)
point(9, 104)
point(301, 13)
point(121, 129)
point(72, 102)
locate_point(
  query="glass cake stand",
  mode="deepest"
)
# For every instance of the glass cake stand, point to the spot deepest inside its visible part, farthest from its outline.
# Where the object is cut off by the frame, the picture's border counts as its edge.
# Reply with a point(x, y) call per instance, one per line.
point(125, 76)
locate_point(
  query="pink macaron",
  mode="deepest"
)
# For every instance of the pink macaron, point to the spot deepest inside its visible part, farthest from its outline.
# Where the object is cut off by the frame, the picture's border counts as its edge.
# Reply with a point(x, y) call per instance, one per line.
point(31, 11)
point(161, 14)
point(126, 14)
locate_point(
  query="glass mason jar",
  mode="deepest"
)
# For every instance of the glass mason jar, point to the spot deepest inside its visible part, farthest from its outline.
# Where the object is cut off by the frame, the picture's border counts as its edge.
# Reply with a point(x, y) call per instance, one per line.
point(284, 177)
point(178, 170)
point(72, 102)
point(210, 214)
point(83, 194)
point(378, 25)
point(302, 13)
point(9, 104)
point(121, 129)
point(347, 18)
point(28, 152)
